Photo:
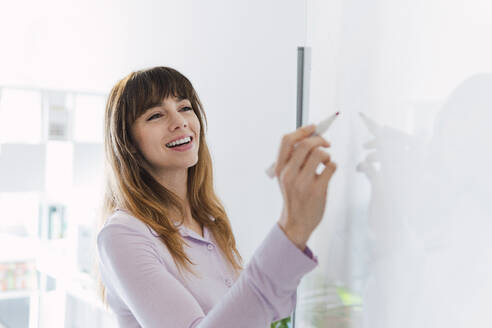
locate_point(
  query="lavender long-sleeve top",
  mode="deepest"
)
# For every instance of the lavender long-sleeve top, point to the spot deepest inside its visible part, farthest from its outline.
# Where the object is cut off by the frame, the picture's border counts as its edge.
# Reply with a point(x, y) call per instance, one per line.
point(145, 289)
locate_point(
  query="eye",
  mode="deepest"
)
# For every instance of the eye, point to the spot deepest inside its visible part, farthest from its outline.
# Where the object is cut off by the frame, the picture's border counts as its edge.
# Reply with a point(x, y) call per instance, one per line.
point(186, 109)
point(150, 118)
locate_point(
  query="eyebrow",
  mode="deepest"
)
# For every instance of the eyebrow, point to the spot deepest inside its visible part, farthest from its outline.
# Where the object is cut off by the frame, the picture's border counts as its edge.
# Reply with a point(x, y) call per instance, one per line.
point(180, 99)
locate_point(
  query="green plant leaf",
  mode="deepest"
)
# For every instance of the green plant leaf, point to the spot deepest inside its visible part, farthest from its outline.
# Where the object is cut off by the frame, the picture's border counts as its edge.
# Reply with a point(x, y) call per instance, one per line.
point(284, 323)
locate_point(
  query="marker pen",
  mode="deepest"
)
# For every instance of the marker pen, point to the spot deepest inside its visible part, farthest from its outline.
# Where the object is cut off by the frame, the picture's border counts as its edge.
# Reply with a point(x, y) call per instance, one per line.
point(321, 128)
point(373, 127)
point(388, 133)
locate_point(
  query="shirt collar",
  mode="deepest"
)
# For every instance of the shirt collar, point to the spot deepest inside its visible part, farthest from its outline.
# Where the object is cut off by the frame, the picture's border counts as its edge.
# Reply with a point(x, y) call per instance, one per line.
point(185, 232)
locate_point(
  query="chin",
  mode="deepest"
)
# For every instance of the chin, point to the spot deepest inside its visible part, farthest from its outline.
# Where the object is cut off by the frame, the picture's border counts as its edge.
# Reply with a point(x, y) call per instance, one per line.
point(194, 163)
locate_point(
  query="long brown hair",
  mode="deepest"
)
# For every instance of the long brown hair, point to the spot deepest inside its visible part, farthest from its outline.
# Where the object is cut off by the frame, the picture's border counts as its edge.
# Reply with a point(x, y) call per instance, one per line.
point(131, 187)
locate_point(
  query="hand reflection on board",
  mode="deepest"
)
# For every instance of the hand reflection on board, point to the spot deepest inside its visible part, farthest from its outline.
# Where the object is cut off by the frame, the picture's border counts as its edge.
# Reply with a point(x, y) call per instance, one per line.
point(393, 168)
point(429, 215)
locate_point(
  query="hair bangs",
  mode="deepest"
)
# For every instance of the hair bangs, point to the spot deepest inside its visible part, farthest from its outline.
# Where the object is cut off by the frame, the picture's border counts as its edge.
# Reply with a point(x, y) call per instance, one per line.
point(148, 88)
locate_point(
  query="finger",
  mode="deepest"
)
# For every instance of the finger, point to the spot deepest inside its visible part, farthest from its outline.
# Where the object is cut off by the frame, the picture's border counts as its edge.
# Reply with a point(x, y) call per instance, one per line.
point(327, 173)
point(368, 169)
point(287, 145)
point(370, 144)
point(301, 154)
point(372, 157)
point(315, 157)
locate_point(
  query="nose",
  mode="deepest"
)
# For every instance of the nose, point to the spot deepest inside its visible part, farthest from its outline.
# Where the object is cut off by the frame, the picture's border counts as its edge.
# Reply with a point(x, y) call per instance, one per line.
point(178, 120)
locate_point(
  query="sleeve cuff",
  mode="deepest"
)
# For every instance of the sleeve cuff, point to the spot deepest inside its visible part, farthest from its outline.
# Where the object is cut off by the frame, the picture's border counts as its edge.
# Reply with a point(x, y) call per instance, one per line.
point(282, 260)
point(309, 254)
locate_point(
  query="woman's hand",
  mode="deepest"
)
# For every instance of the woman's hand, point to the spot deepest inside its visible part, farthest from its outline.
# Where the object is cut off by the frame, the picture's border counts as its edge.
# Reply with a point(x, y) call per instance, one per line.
point(304, 191)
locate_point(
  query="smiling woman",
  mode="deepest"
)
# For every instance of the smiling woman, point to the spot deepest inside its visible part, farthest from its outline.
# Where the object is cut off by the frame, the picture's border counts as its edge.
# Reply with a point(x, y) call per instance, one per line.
point(161, 125)
point(145, 111)
point(159, 199)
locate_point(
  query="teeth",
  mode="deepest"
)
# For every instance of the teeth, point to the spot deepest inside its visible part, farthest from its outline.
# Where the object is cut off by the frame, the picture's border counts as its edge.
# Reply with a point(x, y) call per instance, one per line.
point(177, 142)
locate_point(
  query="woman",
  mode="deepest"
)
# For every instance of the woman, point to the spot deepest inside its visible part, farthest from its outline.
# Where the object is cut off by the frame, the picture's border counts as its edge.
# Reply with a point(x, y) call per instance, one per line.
point(160, 198)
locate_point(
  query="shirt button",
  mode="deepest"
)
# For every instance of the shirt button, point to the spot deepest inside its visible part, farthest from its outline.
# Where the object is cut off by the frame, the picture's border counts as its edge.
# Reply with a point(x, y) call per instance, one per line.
point(210, 247)
point(228, 282)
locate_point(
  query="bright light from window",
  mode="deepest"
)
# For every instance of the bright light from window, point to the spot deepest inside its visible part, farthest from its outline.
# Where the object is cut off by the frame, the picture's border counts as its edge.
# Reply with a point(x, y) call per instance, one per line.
point(88, 118)
point(20, 116)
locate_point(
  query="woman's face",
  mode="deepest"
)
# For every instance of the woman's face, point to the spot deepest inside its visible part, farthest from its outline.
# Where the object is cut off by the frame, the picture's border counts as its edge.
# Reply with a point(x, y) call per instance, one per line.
point(174, 119)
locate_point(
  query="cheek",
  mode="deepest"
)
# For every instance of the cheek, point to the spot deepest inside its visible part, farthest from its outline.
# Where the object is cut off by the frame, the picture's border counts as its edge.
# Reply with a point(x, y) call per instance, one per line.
point(196, 127)
point(149, 143)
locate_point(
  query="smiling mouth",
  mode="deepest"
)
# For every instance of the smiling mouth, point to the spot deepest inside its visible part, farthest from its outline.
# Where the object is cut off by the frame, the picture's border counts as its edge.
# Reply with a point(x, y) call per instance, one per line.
point(183, 144)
